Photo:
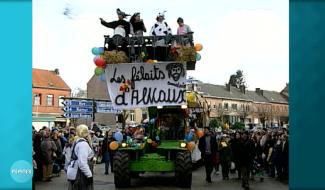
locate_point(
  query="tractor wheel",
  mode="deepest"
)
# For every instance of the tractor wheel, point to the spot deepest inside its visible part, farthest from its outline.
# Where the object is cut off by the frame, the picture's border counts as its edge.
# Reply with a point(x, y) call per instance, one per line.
point(183, 169)
point(121, 170)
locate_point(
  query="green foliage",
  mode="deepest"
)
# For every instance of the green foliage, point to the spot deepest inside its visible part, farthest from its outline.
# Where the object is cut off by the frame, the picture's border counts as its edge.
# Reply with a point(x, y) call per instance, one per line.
point(214, 123)
point(239, 126)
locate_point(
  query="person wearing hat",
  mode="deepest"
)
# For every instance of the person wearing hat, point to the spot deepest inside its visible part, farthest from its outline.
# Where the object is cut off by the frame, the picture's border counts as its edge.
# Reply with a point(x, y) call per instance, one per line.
point(81, 158)
point(208, 147)
point(160, 28)
point(137, 25)
point(119, 23)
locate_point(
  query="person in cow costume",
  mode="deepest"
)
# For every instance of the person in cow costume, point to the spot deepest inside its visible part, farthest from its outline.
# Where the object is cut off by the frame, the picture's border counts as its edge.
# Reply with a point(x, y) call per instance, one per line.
point(121, 30)
point(160, 28)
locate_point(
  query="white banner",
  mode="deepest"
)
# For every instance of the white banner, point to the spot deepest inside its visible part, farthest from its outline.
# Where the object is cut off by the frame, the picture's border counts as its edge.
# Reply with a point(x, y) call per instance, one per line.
point(136, 85)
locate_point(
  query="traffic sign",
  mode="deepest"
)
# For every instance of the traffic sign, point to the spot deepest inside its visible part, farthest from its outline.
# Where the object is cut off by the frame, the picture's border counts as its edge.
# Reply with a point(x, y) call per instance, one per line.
point(81, 103)
point(78, 109)
point(105, 107)
point(78, 115)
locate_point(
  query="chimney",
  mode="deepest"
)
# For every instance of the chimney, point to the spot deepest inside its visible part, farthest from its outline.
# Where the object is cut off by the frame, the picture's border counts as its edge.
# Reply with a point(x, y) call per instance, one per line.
point(259, 91)
point(228, 87)
point(242, 89)
point(56, 71)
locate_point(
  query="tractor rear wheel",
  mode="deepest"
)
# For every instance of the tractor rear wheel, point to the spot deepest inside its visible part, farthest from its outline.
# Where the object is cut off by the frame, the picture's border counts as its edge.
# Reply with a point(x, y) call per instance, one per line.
point(183, 169)
point(121, 170)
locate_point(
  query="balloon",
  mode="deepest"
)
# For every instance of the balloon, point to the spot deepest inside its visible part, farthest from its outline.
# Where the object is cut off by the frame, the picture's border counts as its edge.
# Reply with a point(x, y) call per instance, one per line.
point(199, 133)
point(99, 71)
point(118, 137)
point(95, 58)
point(102, 77)
point(95, 51)
point(100, 50)
point(99, 62)
point(113, 145)
point(190, 97)
point(198, 57)
point(198, 47)
point(190, 146)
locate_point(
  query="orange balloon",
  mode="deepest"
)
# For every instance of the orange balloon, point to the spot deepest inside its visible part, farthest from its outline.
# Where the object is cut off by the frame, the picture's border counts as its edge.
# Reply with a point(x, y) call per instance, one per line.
point(154, 144)
point(190, 146)
point(113, 145)
point(199, 133)
point(198, 47)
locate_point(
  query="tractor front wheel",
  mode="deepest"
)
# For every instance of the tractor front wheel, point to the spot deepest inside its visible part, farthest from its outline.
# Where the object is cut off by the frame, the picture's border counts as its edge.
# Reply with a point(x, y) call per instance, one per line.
point(183, 169)
point(121, 170)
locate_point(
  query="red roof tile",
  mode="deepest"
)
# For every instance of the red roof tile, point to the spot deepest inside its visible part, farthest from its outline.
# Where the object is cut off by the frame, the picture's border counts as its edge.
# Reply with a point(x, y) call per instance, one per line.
point(48, 79)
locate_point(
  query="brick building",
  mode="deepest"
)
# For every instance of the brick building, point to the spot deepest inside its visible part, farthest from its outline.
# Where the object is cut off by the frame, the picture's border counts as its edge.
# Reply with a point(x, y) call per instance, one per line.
point(47, 88)
point(230, 104)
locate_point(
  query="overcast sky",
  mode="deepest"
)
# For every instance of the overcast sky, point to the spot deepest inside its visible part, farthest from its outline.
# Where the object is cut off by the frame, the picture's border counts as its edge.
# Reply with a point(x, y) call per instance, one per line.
point(251, 35)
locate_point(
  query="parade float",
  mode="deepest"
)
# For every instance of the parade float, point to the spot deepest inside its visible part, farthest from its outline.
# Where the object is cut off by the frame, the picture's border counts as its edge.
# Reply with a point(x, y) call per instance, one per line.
point(141, 74)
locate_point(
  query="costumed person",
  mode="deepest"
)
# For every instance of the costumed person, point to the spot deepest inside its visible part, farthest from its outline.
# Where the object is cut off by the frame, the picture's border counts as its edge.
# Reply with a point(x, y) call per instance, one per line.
point(137, 25)
point(121, 29)
point(208, 148)
point(80, 169)
point(160, 28)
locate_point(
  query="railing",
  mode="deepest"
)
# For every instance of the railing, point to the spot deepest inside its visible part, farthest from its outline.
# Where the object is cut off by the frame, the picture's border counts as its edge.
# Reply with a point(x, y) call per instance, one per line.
point(153, 47)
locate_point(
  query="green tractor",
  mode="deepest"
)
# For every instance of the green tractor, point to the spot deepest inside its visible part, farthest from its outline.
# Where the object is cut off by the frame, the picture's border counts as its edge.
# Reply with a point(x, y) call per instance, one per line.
point(163, 150)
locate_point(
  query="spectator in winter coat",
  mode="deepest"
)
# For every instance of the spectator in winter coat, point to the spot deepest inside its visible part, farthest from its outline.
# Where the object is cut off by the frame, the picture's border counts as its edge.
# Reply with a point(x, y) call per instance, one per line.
point(208, 148)
point(225, 157)
point(246, 158)
point(236, 147)
point(48, 147)
point(82, 156)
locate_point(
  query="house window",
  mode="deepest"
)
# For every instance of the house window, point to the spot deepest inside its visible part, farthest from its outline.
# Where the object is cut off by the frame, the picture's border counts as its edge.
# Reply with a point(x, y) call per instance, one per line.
point(49, 100)
point(234, 107)
point(242, 107)
point(132, 116)
point(247, 107)
point(61, 101)
point(37, 99)
point(220, 106)
point(225, 106)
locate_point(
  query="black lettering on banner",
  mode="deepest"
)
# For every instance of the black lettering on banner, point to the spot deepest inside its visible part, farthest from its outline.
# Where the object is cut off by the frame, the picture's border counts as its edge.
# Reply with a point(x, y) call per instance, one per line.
point(135, 95)
point(120, 100)
point(139, 75)
point(118, 79)
point(182, 96)
point(153, 95)
point(162, 96)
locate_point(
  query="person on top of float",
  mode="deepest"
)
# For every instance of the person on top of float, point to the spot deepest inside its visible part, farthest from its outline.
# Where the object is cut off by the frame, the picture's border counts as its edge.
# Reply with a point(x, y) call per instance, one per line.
point(120, 26)
point(137, 25)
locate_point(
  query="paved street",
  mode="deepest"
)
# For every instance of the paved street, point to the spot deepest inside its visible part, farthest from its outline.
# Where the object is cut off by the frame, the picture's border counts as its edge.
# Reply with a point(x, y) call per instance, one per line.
point(165, 181)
